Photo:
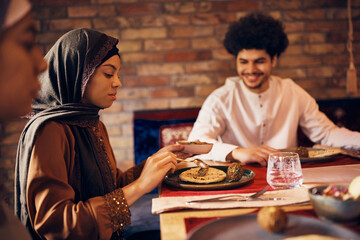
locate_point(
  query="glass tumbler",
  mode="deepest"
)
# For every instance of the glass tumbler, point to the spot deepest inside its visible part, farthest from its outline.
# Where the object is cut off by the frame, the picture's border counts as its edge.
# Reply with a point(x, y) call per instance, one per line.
point(284, 170)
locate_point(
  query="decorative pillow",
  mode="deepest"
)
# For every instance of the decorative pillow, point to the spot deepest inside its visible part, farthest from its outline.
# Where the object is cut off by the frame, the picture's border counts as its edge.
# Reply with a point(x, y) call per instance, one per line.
point(170, 134)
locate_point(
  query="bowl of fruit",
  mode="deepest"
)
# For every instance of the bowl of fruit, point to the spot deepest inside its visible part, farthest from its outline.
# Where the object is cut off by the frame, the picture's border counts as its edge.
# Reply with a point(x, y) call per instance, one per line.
point(337, 203)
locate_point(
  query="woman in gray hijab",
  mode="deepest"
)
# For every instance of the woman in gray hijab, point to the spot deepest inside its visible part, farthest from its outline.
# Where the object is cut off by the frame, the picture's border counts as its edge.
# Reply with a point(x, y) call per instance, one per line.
point(67, 183)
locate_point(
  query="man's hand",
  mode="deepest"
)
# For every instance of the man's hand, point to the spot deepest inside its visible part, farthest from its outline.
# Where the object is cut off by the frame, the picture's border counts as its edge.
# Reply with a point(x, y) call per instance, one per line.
point(252, 155)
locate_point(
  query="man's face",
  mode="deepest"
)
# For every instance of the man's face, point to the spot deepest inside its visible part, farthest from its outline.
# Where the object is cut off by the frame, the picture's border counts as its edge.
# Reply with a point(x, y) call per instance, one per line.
point(254, 68)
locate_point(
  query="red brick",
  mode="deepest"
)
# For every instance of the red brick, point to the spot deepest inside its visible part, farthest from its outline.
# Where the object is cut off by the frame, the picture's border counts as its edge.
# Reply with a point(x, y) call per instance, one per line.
point(318, 14)
point(58, 2)
point(171, 92)
point(282, 4)
point(129, 46)
point(212, 18)
point(66, 24)
point(177, 19)
point(325, 3)
point(49, 37)
point(204, 91)
point(160, 69)
point(187, 80)
point(332, 14)
point(143, 33)
point(337, 60)
point(222, 54)
point(11, 139)
point(145, 81)
point(189, 102)
point(115, 1)
point(190, 31)
point(8, 151)
point(325, 26)
point(324, 48)
point(312, 83)
point(221, 30)
point(188, 56)
point(209, 66)
point(336, 37)
point(132, 93)
point(299, 61)
point(325, 71)
point(14, 126)
point(115, 107)
point(294, 27)
point(127, 70)
point(206, 43)
point(142, 57)
point(293, 50)
point(296, 38)
point(244, 5)
point(168, 44)
point(83, 11)
point(50, 12)
point(187, 7)
point(152, 21)
point(138, 8)
point(290, 73)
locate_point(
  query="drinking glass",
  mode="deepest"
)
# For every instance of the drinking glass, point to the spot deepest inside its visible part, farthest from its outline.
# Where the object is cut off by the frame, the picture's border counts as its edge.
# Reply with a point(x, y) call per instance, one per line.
point(284, 170)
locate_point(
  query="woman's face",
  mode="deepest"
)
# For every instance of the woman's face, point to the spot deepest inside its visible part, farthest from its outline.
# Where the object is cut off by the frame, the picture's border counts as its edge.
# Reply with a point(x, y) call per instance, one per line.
point(103, 84)
point(21, 61)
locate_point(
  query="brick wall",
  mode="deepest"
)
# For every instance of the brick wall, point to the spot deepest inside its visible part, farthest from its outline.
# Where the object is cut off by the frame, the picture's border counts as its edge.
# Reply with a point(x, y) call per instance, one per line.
point(173, 55)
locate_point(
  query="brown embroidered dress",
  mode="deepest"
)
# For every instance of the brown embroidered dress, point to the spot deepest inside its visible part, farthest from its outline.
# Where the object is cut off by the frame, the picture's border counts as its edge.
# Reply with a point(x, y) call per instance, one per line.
point(53, 184)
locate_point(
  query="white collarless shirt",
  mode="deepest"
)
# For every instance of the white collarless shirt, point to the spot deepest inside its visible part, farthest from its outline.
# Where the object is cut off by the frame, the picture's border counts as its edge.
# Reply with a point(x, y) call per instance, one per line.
point(234, 116)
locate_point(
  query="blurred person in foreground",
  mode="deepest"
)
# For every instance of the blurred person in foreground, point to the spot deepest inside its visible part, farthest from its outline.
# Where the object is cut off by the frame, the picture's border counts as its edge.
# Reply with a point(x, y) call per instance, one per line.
point(21, 61)
point(67, 185)
point(256, 113)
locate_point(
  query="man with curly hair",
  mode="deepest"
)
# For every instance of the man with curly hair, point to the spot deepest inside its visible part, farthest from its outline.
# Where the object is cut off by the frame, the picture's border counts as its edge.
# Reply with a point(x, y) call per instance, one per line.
point(256, 113)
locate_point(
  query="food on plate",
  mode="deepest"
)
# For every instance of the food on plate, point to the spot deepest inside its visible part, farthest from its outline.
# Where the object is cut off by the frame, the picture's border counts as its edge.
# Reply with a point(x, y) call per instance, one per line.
point(196, 142)
point(212, 176)
point(272, 219)
point(323, 152)
point(354, 187)
point(302, 151)
point(312, 237)
point(343, 192)
point(235, 171)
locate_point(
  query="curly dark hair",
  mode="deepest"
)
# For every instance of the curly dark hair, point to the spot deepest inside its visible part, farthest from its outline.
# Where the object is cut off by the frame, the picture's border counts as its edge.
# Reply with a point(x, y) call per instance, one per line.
point(256, 31)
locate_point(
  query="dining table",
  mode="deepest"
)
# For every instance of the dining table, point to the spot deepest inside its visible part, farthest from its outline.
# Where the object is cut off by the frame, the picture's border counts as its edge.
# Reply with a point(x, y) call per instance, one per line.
point(179, 219)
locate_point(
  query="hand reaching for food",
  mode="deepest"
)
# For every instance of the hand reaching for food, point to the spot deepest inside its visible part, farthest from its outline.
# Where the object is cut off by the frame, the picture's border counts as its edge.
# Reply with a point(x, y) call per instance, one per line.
point(252, 155)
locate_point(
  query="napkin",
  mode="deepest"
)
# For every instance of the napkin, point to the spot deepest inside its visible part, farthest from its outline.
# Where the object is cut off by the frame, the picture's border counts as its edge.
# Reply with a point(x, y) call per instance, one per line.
point(290, 196)
point(340, 175)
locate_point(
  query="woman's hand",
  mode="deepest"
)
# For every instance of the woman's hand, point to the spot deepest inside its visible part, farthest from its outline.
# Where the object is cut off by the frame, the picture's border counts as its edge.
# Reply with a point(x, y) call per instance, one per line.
point(252, 155)
point(153, 173)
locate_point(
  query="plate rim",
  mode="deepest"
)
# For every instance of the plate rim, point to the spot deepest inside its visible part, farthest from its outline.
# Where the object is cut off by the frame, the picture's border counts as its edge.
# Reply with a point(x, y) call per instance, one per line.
point(253, 217)
point(310, 159)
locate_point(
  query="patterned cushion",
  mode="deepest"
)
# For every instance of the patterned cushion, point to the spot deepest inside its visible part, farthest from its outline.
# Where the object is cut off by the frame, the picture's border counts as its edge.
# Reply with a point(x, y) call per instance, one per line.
point(170, 134)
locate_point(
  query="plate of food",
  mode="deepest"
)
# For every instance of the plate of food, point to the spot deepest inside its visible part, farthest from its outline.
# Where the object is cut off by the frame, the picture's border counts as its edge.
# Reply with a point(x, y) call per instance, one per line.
point(247, 227)
point(216, 179)
point(313, 154)
point(196, 147)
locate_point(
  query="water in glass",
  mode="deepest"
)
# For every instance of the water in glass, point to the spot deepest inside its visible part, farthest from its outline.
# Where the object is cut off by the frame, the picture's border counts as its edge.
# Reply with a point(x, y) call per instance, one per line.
point(284, 170)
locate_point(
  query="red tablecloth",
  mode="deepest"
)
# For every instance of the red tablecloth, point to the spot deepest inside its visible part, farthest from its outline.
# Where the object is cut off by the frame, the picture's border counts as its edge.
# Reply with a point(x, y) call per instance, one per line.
point(259, 181)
